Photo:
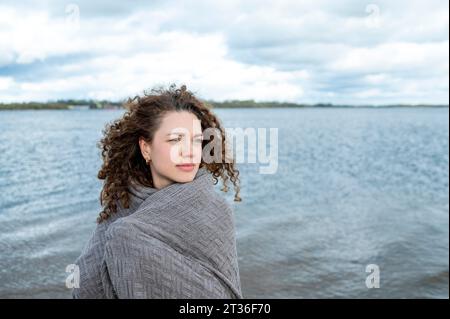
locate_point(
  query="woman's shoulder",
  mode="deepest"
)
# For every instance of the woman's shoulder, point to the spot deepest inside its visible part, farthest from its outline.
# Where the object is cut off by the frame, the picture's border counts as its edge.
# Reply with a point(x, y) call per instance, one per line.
point(221, 202)
point(120, 229)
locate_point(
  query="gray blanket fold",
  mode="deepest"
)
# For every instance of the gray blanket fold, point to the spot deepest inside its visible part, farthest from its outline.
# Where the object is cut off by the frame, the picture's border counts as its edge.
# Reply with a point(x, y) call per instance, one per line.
point(176, 242)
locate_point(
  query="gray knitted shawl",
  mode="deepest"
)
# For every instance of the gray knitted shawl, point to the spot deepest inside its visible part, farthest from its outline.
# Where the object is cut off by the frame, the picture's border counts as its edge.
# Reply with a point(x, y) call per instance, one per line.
point(176, 242)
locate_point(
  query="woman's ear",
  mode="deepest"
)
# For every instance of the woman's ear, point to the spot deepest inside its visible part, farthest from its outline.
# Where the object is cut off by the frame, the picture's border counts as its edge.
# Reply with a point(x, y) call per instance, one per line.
point(145, 148)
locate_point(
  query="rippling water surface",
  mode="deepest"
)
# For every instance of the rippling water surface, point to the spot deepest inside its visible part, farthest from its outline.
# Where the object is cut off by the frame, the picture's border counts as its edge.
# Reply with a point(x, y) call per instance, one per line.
point(353, 187)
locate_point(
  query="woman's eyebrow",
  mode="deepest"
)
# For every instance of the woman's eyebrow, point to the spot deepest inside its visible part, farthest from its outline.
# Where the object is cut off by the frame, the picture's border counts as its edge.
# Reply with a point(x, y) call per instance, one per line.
point(180, 133)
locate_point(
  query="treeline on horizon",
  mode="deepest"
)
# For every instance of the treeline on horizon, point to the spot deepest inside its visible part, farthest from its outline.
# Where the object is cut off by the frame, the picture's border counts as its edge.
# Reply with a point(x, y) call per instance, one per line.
point(104, 104)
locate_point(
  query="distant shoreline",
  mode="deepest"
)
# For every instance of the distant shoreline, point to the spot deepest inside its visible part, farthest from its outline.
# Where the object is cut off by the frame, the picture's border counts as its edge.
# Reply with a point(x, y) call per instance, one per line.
point(236, 104)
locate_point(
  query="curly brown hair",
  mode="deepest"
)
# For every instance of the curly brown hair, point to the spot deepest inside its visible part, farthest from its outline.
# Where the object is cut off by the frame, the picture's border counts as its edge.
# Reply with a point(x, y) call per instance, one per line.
point(122, 158)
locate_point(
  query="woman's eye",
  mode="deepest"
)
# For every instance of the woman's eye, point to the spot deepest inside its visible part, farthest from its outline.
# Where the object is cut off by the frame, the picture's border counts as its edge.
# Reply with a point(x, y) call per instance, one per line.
point(179, 139)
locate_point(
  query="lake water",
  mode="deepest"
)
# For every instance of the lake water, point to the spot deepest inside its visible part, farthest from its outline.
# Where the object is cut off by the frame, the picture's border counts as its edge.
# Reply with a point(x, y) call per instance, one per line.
point(354, 187)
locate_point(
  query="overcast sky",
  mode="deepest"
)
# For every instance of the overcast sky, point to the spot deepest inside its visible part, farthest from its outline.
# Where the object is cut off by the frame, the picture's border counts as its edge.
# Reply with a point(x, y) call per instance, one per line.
point(342, 52)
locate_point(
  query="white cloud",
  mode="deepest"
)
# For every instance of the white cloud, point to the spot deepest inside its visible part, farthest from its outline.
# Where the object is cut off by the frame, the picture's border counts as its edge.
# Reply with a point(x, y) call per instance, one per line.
point(395, 56)
point(311, 52)
point(6, 82)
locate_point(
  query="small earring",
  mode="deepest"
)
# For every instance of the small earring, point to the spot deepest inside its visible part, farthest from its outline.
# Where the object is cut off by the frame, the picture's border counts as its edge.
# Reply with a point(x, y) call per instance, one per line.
point(148, 161)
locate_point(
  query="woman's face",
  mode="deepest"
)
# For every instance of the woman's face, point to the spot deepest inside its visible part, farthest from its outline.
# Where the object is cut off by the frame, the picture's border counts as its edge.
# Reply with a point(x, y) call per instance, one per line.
point(177, 141)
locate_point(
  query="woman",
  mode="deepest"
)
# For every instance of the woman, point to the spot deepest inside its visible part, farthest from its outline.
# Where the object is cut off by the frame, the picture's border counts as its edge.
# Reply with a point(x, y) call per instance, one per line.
point(164, 232)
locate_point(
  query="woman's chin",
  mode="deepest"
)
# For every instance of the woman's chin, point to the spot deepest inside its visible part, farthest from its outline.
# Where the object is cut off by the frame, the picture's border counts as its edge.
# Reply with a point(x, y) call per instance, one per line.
point(185, 177)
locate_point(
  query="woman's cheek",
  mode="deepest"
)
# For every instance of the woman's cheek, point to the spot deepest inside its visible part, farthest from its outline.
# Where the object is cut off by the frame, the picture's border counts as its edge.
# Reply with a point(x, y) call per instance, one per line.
point(197, 154)
point(171, 153)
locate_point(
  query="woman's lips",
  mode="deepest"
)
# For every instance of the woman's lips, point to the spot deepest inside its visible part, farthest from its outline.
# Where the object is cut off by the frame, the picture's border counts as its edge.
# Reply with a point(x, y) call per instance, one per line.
point(186, 167)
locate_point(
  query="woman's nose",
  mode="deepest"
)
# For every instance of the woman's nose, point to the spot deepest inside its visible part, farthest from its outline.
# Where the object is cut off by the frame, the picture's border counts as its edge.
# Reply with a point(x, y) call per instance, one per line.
point(187, 149)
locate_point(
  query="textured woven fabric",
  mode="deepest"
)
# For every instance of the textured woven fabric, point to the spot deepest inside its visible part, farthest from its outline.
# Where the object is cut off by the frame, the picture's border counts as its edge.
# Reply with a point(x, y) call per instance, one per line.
point(176, 242)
